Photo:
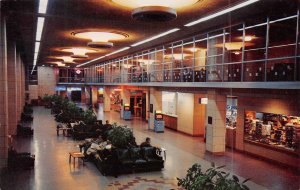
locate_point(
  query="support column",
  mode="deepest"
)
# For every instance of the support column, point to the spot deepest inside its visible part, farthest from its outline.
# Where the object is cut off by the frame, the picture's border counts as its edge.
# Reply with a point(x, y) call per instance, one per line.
point(156, 102)
point(106, 100)
point(22, 85)
point(94, 95)
point(12, 89)
point(18, 71)
point(83, 96)
point(125, 97)
point(215, 122)
point(3, 94)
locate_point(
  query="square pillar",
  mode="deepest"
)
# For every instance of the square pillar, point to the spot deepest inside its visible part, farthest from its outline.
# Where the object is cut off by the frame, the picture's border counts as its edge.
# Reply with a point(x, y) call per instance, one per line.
point(12, 89)
point(106, 99)
point(156, 103)
point(125, 97)
point(3, 94)
point(215, 122)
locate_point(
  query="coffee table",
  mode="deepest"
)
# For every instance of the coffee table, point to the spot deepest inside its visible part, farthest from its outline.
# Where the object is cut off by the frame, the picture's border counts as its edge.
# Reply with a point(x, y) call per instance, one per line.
point(75, 155)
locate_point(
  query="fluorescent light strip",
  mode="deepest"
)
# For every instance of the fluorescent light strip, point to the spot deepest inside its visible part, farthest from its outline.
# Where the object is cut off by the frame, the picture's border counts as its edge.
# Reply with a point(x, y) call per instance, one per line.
point(35, 55)
point(90, 61)
point(37, 47)
point(120, 50)
point(32, 69)
point(238, 6)
point(155, 37)
point(43, 6)
point(39, 28)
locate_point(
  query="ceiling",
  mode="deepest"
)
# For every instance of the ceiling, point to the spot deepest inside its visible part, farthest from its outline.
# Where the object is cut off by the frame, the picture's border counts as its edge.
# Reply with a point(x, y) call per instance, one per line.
point(66, 16)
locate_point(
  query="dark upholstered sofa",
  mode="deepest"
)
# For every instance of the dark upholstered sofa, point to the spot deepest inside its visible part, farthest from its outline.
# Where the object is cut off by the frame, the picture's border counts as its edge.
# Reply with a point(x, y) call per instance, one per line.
point(131, 160)
point(20, 160)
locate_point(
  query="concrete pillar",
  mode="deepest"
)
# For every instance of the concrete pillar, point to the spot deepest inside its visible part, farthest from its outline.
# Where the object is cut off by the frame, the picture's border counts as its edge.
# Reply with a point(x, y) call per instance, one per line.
point(12, 88)
point(125, 97)
point(83, 97)
point(18, 71)
point(215, 122)
point(88, 95)
point(22, 84)
point(155, 103)
point(94, 95)
point(3, 94)
point(106, 100)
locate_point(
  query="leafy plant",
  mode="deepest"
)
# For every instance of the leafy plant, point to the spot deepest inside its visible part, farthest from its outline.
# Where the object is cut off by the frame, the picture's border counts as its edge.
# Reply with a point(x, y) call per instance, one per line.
point(120, 136)
point(212, 179)
point(89, 117)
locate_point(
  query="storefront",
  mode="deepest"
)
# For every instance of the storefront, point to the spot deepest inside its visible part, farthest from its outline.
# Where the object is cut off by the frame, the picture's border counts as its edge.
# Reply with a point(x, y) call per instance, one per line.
point(74, 93)
point(268, 126)
point(115, 99)
point(231, 120)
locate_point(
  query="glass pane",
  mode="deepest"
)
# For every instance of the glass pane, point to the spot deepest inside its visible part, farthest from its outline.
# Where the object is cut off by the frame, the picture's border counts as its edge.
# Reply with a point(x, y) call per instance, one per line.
point(233, 44)
point(177, 55)
point(254, 71)
point(282, 38)
point(255, 40)
point(215, 43)
point(200, 74)
point(280, 70)
point(188, 60)
point(200, 58)
point(168, 57)
point(214, 73)
point(232, 72)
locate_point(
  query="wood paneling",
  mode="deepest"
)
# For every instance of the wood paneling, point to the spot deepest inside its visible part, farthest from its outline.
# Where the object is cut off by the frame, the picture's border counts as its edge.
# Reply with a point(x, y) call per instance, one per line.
point(199, 116)
point(170, 122)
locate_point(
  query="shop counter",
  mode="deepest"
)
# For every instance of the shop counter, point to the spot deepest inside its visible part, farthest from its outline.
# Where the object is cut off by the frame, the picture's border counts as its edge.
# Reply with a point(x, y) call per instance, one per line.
point(276, 154)
point(170, 121)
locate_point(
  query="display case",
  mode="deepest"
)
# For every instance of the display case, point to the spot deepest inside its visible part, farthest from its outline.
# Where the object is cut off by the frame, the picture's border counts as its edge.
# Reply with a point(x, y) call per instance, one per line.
point(275, 130)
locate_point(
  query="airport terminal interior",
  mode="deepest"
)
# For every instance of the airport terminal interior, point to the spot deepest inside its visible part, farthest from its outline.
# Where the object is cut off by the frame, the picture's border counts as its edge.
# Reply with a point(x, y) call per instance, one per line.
point(149, 94)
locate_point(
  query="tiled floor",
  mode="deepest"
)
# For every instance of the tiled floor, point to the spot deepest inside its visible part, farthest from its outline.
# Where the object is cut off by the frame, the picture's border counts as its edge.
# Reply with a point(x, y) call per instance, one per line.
point(52, 170)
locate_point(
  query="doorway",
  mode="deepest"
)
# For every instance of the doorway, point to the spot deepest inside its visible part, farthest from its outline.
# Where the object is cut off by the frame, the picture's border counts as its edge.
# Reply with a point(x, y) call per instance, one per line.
point(76, 96)
point(136, 105)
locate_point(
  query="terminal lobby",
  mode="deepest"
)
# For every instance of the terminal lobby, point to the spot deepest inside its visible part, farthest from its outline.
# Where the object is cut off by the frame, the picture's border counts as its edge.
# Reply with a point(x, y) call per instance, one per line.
point(136, 94)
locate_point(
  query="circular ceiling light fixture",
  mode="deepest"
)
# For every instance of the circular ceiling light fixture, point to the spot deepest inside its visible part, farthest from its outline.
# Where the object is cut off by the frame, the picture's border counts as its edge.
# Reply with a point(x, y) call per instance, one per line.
point(100, 39)
point(58, 63)
point(234, 46)
point(66, 59)
point(78, 52)
point(155, 10)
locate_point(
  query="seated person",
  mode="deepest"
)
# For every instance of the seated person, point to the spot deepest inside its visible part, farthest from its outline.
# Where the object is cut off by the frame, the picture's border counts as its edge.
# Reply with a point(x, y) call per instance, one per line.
point(109, 154)
point(147, 143)
point(132, 143)
point(106, 128)
point(107, 125)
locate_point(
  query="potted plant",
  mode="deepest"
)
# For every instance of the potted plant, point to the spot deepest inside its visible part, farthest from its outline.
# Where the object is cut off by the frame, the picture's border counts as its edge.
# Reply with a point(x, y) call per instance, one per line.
point(120, 136)
point(89, 117)
point(213, 178)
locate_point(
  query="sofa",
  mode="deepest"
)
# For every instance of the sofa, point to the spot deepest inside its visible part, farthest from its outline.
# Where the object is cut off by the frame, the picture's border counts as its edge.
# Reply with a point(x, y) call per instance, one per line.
point(24, 131)
point(82, 131)
point(20, 160)
point(130, 160)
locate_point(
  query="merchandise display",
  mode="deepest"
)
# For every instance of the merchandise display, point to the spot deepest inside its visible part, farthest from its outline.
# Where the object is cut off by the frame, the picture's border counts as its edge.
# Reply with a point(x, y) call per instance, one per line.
point(276, 130)
point(231, 116)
